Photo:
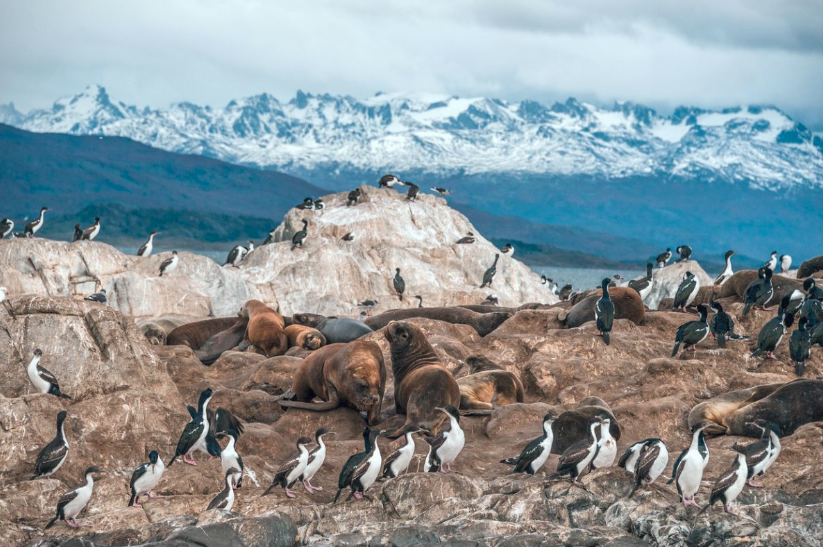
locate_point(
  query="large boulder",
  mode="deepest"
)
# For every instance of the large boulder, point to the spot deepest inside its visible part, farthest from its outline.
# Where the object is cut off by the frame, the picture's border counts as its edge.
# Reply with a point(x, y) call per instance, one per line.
point(665, 281)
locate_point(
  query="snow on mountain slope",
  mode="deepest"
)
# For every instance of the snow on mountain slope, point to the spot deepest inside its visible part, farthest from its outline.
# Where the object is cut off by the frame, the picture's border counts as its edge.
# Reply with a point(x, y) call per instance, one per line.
point(758, 145)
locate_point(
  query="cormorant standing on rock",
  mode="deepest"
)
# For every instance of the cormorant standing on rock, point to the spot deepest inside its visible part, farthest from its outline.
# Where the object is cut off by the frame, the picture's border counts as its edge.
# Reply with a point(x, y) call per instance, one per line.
point(686, 292)
point(399, 284)
point(145, 478)
point(693, 332)
point(448, 444)
point(72, 503)
point(414, 189)
point(785, 263)
point(488, 276)
point(663, 258)
point(759, 292)
point(689, 466)
point(604, 313)
point(99, 297)
point(812, 290)
point(34, 225)
point(398, 461)
point(78, 233)
point(771, 335)
point(508, 250)
point(308, 203)
point(652, 458)
point(358, 466)
point(771, 263)
point(6, 227)
point(353, 198)
point(468, 239)
point(800, 346)
point(578, 456)
point(91, 232)
point(225, 499)
point(729, 485)
point(387, 181)
point(419, 301)
point(535, 454)
point(317, 457)
point(727, 272)
point(643, 286)
point(685, 253)
point(270, 238)
point(146, 249)
point(53, 454)
point(289, 472)
point(348, 237)
point(43, 380)
point(169, 265)
point(300, 236)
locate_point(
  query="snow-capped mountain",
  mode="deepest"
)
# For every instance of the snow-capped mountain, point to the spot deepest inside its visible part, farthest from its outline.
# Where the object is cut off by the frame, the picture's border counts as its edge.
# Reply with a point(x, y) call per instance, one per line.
point(758, 145)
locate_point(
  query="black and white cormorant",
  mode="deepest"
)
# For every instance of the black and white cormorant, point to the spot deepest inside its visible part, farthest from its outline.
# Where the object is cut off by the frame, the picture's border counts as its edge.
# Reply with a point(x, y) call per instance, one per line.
point(578, 456)
point(53, 455)
point(6, 227)
point(771, 263)
point(813, 292)
point(727, 271)
point(398, 461)
point(468, 239)
point(606, 444)
point(270, 237)
point(507, 250)
point(535, 454)
point(99, 297)
point(651, 461)
point(72, 503)
point(414, 189)
point(288, 473)
point(800, 346)
point(757, 453)
point(693, 332)
point(643, 285)
point(213, 448)
point(91, 232)
point(721, 326)
point(43, 380)
point(308, 203)
point(688, 468)
point(34, 225)
point(491, 300)
point(448, 444)
point(368, 305)
point(785, 263)
point(442, 191)
point(224, 501)
point(353, 197)
point(230, 459)
point(387, 181)
point(399, 284)
point(169, 265)
point(236, 255)
point(565, 292)
point(685, 253)
point(604, 313)
point(145, 478)
point(195, 433)
point(317, 457)
point(300, 236)
point(772, 334)
point(792, 302)
point(348, 237)
point(759, 292)
point(730, 484)
point(148, 246)
point(319, 204)
point(78, 233)
point(357, 466)
point(686, 292)
point(488, 275)
point(419, 300)
point(663, 258)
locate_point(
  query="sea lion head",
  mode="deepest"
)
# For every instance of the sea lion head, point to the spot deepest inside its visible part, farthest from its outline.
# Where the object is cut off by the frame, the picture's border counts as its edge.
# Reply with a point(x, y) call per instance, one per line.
point(365, 388)
point(401, 335)
point(313, 340)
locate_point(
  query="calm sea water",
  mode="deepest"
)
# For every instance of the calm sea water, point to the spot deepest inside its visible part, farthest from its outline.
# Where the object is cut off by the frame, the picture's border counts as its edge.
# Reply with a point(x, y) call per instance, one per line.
point(583, 278)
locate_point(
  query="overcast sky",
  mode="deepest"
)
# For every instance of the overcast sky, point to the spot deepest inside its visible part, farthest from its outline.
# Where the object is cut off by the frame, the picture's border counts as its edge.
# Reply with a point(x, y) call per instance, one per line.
point(707, 53)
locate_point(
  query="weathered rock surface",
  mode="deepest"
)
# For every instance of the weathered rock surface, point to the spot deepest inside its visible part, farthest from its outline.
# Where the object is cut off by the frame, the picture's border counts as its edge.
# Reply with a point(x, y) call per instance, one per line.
point(665, 281)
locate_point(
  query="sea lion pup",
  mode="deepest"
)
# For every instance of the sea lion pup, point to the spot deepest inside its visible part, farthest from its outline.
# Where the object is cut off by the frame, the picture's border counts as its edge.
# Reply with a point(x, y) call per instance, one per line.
point(421, 383)
point(222, 342)
point(265, 330)
point(481, 392)
point(483, 323)
point(304, 337)
point(335, 330)
point(196, 334)
point(352, 375)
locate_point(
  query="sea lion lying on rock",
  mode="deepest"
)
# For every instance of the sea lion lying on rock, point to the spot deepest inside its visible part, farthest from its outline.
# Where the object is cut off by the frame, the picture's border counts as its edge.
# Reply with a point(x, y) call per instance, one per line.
point(195, 335)
point(483, 323)
point(739, 281)
point(157, 330)
point(221, 342)
point(788, 405)
point(572, 425)
point(336, 330)
point(352, 375)
point(627, 305)
point(487, 390)
point(810, 267)
point(301, 336)
point(421, 383)
point(265, 330)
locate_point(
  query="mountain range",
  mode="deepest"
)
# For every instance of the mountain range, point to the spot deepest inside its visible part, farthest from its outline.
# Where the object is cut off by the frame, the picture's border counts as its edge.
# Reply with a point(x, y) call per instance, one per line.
point(747, 177)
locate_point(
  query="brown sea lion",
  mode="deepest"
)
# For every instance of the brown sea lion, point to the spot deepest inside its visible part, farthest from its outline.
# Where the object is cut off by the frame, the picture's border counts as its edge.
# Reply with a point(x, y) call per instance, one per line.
point(265, 330)
point(196, 334)
point(421, 383)
point(484, 308)
point(739, 281)
point(810, 267)
point(485, 391)
point(221, 342)
point(788, 405)
point(157, 330)
point(483, 323)
point(572, 425)
point(627, 305)
point(305, 337)
point(352, 375)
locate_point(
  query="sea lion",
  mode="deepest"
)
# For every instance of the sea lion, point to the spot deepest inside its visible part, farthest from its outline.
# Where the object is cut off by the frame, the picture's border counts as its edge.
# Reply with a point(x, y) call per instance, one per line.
point(194, 335)
point(305, 337)
point(265, 331)
point(221, 342)
point(788, 405)
point(336, 330)
point(352, 375)
point(157, 330)
point(572, 425)
point(810, 267)
point(483, 323)
point(421, 383)
point(485, 308)
point(627, 305)
point(478, 363)
point(739, 281)
point(485, 391)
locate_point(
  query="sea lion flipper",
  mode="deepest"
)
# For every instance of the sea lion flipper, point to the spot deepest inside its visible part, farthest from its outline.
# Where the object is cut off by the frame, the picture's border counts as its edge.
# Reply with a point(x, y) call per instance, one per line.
point(315, 407)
